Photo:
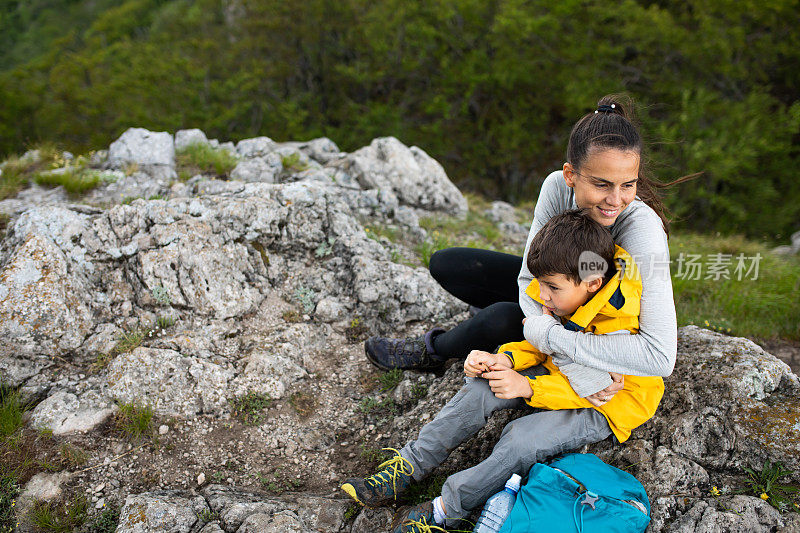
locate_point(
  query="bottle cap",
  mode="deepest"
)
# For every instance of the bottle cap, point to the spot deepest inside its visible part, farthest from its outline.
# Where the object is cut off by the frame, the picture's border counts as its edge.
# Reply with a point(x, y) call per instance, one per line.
point(513, 482)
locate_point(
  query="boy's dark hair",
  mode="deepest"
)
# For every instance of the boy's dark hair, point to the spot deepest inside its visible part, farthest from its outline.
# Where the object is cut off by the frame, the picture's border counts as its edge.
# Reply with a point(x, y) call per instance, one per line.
point(557, 247)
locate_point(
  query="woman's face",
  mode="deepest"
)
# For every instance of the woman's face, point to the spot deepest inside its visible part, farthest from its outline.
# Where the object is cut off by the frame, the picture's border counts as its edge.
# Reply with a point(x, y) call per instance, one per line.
point(605, 183)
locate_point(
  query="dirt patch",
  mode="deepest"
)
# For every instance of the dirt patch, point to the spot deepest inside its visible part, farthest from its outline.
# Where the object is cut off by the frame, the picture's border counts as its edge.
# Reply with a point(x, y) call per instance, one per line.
point(786, 350)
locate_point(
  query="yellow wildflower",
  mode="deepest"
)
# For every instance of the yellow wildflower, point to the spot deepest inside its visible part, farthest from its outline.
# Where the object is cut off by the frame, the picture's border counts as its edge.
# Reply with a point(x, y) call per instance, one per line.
point(714, 491)
point(764, 496)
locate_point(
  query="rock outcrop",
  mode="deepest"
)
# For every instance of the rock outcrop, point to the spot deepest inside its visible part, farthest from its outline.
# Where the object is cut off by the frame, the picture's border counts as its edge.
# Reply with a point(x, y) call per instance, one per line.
point(265, 284)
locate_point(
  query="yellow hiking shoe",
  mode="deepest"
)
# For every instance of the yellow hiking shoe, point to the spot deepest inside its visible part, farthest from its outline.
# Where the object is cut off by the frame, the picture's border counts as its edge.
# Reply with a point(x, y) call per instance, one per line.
point(383, 487)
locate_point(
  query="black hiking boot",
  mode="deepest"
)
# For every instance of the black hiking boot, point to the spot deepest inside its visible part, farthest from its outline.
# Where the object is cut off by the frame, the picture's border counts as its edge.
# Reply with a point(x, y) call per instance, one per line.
point(406, 354)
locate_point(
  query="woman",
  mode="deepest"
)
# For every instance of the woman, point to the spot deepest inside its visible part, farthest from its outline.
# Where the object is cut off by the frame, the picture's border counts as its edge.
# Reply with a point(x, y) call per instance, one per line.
point(603, 173)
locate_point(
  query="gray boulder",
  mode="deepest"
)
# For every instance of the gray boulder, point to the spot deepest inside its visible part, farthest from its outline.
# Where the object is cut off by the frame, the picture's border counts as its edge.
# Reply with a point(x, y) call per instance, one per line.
point(736, 514)
point(152, 152)
point(64, 413)
point(504, 215)
point(409, 173)
point(186, 138)
point(126, 188)
point(256, 147)
point(726, 404)
point(164, 511)
point(41, 304)
point(169, 382)
point(303, 513)
point(266, 169)
point(321, 150)
point(268, 374)
point(399, 292)
point(33, 196)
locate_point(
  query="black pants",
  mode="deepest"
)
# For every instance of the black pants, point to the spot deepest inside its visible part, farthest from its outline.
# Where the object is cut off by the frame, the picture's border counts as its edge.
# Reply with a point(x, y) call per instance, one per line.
point(484, 279)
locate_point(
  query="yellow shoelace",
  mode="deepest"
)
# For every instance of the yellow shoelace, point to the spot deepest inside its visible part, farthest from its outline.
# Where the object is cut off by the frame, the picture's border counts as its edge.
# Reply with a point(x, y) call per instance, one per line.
point(423, 525)
point(391, 468)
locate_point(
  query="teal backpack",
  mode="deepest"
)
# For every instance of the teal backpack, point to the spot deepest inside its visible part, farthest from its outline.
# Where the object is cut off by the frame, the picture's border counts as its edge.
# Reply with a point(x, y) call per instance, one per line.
point(579, 493)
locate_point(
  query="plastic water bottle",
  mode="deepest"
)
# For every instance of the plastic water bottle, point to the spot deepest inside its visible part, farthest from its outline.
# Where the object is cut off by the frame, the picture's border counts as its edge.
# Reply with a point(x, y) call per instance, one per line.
point(498, 507)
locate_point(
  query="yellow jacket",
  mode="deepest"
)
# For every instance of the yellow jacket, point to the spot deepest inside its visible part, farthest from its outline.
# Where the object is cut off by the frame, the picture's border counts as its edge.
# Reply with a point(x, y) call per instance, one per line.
point(613, 308)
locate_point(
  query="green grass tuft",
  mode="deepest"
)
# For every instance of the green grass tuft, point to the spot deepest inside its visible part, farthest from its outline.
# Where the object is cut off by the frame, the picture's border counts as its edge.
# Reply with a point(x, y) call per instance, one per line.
point(765, 484)
point(129, 341)
point(18, 171)
point(204, 159)
point(134, 421)
point(351, 512)
point(164, 322)
point(14, 177)
point(9, 490)
point(106, 521)
point(377, 231)
point(207, 515)
point(12, 408)
point(248, 408)
point(390, 379)
point(292, 163)
point(357, 331)
point(101, 361)
point(60, 517)
point(76, 181)
point(435, 242)
point(385, 407)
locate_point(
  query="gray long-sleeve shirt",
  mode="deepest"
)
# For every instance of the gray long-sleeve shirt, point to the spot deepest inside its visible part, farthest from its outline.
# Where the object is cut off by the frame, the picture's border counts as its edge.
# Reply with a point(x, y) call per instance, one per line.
point(586, 358)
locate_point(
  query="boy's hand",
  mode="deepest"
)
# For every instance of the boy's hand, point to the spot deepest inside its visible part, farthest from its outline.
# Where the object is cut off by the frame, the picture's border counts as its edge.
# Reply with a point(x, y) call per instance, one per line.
point(599, 399)
point(478, 362)
point(507, 384)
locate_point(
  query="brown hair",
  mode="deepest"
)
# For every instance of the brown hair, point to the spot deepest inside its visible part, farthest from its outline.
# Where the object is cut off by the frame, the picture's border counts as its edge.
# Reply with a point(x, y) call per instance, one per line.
point(614, 126)
point(557, 247)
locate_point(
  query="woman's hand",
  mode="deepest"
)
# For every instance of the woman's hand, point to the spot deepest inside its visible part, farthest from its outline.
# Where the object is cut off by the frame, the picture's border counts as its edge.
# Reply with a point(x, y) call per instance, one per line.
point(478, 362)
point(507, 384)
point(599, 399)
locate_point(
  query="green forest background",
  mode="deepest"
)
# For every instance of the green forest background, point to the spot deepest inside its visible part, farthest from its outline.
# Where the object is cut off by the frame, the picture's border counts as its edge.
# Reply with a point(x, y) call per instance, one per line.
point(489, 88)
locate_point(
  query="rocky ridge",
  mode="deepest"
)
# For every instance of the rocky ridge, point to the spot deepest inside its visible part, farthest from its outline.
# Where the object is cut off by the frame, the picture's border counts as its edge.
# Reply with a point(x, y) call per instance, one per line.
point(264, 284)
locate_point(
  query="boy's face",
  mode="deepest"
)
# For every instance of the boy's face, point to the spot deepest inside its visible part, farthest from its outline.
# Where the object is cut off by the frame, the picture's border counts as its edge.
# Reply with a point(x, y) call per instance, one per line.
point(562, 296)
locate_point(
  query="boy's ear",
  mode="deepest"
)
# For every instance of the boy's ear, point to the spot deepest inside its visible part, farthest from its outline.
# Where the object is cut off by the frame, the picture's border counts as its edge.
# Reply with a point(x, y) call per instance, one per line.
point(594, 283)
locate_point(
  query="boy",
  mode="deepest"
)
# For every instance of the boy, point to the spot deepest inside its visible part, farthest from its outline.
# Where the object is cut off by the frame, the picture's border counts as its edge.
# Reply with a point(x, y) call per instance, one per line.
point(591, 285)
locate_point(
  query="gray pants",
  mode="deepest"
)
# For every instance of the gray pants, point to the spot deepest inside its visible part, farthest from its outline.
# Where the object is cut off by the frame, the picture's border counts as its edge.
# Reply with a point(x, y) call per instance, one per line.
point(524, 442)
